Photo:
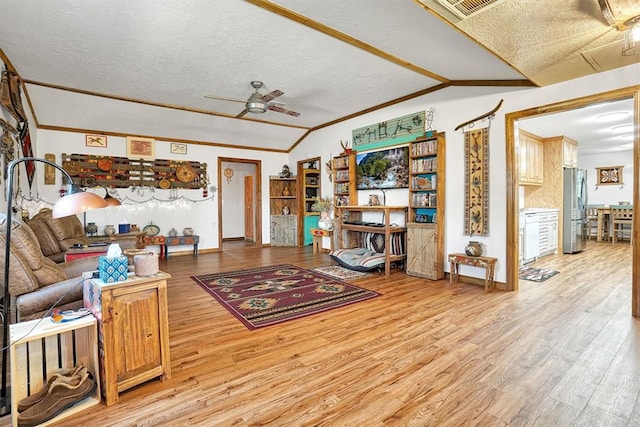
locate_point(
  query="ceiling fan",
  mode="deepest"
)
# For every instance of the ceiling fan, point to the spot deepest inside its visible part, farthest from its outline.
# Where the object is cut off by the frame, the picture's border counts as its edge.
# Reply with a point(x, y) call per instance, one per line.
point(259, 103)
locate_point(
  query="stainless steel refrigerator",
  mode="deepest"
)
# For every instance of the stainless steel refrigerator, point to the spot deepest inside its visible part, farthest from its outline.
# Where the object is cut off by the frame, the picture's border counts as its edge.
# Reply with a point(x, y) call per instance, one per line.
point(574, 206)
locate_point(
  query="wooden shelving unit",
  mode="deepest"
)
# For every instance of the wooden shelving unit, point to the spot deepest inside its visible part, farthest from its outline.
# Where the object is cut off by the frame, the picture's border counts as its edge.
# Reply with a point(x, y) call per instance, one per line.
point(345, 192)
point(354, 235)
point(425, 229)
point(310, 192)
point(283, 193)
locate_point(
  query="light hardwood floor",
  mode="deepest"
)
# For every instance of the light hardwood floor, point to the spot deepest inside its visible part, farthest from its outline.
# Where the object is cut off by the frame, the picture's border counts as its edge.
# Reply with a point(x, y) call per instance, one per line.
point(559, 353)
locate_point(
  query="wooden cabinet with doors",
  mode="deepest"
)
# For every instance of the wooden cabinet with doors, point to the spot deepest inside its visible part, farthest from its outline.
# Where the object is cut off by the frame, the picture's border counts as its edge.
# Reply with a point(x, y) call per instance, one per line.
point(133, 330)
point(570, 152)
point(310, 191)
point(425, 229)
point(283, 205)
point(531, 164)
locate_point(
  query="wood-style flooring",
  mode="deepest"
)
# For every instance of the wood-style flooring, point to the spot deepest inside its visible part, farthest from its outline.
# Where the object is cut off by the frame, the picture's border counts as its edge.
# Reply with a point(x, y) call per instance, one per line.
point(563, 352)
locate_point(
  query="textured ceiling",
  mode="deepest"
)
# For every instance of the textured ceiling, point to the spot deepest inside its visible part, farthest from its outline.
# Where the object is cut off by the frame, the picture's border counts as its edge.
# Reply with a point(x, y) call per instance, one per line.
point(144, 68)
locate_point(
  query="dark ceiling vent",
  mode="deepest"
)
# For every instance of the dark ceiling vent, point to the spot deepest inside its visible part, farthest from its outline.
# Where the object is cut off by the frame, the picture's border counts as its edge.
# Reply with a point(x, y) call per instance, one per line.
point(467, 8)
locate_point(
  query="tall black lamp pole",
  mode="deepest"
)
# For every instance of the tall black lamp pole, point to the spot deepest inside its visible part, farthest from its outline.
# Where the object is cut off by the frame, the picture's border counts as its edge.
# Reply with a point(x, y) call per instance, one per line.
point(75, 201)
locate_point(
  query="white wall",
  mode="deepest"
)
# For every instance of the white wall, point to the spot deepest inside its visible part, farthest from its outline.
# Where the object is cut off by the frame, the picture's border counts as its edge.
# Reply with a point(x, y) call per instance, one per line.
point(609, 194)
point(454, 106)
point(195, 212)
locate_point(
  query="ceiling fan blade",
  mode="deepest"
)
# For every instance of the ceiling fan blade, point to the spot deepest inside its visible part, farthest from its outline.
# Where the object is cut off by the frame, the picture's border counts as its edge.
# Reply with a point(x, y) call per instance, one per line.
point(282, 110)
point(223, 99)
point(272, 95)
point(242, 114)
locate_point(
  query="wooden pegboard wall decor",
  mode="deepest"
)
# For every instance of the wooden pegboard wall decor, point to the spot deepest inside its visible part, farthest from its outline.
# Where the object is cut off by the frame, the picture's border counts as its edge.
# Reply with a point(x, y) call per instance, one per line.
point(121, 172)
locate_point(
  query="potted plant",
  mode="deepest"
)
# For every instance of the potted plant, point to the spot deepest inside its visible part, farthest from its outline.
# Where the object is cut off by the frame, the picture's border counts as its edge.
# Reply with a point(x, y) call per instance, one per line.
point(323, 205)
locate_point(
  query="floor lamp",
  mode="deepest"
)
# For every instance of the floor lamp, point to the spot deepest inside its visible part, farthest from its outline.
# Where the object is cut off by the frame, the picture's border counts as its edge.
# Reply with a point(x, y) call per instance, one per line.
point(73, 202)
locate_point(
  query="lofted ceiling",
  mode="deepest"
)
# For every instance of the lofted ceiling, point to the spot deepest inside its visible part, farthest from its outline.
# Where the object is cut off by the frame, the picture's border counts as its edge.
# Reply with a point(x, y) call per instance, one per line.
point(145, 68)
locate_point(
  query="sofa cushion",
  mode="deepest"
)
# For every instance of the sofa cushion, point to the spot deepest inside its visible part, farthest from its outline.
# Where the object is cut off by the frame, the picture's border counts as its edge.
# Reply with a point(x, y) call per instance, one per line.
point(48, 242)
point(359, 259)
point(37, 303)
point(67, 227)
point(25, 243)
point(67, 231)
point(49, 273)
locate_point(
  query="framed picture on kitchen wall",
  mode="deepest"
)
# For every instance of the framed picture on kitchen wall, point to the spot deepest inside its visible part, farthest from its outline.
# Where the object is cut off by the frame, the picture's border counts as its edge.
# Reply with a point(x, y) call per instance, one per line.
point(141, 148)
point(609, 175)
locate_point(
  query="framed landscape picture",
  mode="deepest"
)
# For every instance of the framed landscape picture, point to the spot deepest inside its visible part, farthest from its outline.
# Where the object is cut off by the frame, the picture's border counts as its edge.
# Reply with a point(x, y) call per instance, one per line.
point(141, 148)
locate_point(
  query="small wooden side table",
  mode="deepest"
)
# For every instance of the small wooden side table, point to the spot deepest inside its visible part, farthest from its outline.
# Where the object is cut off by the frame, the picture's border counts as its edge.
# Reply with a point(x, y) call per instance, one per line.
point(318, 234)
point(488, 263)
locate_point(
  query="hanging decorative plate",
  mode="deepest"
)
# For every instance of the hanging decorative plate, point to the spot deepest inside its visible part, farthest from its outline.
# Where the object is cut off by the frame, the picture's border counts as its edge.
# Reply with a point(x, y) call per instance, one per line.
point(105, 164)
point(72, 168)
point(185, 173)
point(164, 183)
point(151, 229)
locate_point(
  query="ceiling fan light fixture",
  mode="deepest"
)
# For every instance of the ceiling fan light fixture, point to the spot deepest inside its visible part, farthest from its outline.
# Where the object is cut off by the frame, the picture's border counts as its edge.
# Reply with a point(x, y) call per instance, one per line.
point(631, 39)
point(256, 107)
point(255, 104)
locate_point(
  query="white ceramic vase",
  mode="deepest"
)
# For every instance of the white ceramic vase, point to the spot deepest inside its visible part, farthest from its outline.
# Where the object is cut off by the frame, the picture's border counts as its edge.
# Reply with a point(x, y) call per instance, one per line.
point(325, 222)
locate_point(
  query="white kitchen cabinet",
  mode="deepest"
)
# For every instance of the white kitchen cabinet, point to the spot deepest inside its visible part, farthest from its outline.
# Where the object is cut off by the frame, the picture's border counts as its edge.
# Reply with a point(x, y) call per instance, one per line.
point(543, 242)
point(553, 232)
point(546, 222)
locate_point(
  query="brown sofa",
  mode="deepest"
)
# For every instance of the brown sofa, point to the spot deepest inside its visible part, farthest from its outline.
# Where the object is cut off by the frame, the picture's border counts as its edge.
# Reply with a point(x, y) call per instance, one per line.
point(56, 236)
point(36, 283)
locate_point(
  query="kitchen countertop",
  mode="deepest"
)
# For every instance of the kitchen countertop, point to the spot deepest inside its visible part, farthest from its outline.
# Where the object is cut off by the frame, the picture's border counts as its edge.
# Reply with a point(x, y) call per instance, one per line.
point(538, 210)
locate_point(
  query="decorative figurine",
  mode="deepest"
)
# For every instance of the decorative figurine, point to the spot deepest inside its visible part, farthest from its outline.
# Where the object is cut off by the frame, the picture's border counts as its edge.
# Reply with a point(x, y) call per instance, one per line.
point(286, 173)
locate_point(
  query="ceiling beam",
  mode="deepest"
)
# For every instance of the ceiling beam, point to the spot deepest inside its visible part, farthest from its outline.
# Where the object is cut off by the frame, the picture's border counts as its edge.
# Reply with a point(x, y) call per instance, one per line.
point(332, 32)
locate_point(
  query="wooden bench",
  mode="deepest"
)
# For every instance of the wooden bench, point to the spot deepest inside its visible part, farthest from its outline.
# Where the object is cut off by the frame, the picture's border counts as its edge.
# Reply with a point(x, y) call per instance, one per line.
point(488, 263)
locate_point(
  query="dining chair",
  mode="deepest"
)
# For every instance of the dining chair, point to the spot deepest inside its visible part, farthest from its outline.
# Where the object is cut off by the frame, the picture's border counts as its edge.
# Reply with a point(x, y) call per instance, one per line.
point(622, 222)
point(591, 223)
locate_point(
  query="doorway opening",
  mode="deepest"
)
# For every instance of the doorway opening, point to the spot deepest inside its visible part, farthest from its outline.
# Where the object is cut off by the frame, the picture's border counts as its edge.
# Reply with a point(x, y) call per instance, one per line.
point(239, 202)
point(310, 190)
point(513, 188)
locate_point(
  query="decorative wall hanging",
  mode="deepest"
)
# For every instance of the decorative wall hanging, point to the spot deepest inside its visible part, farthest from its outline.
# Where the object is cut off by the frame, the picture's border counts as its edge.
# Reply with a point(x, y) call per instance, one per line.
point(483, 117)
point(96, 141)
point(7, 149)
point(10, 95)
point(178, 148)
point(141, 148)
point(27, 151)
point(476, 188)
point(390, 132)
point(49, 171)
point(609, 175)
point(228, 173)
point(121, 172)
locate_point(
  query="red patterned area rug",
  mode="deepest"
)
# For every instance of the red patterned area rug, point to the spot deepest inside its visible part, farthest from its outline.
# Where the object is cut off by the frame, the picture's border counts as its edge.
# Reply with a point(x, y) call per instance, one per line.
point(270, 295)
